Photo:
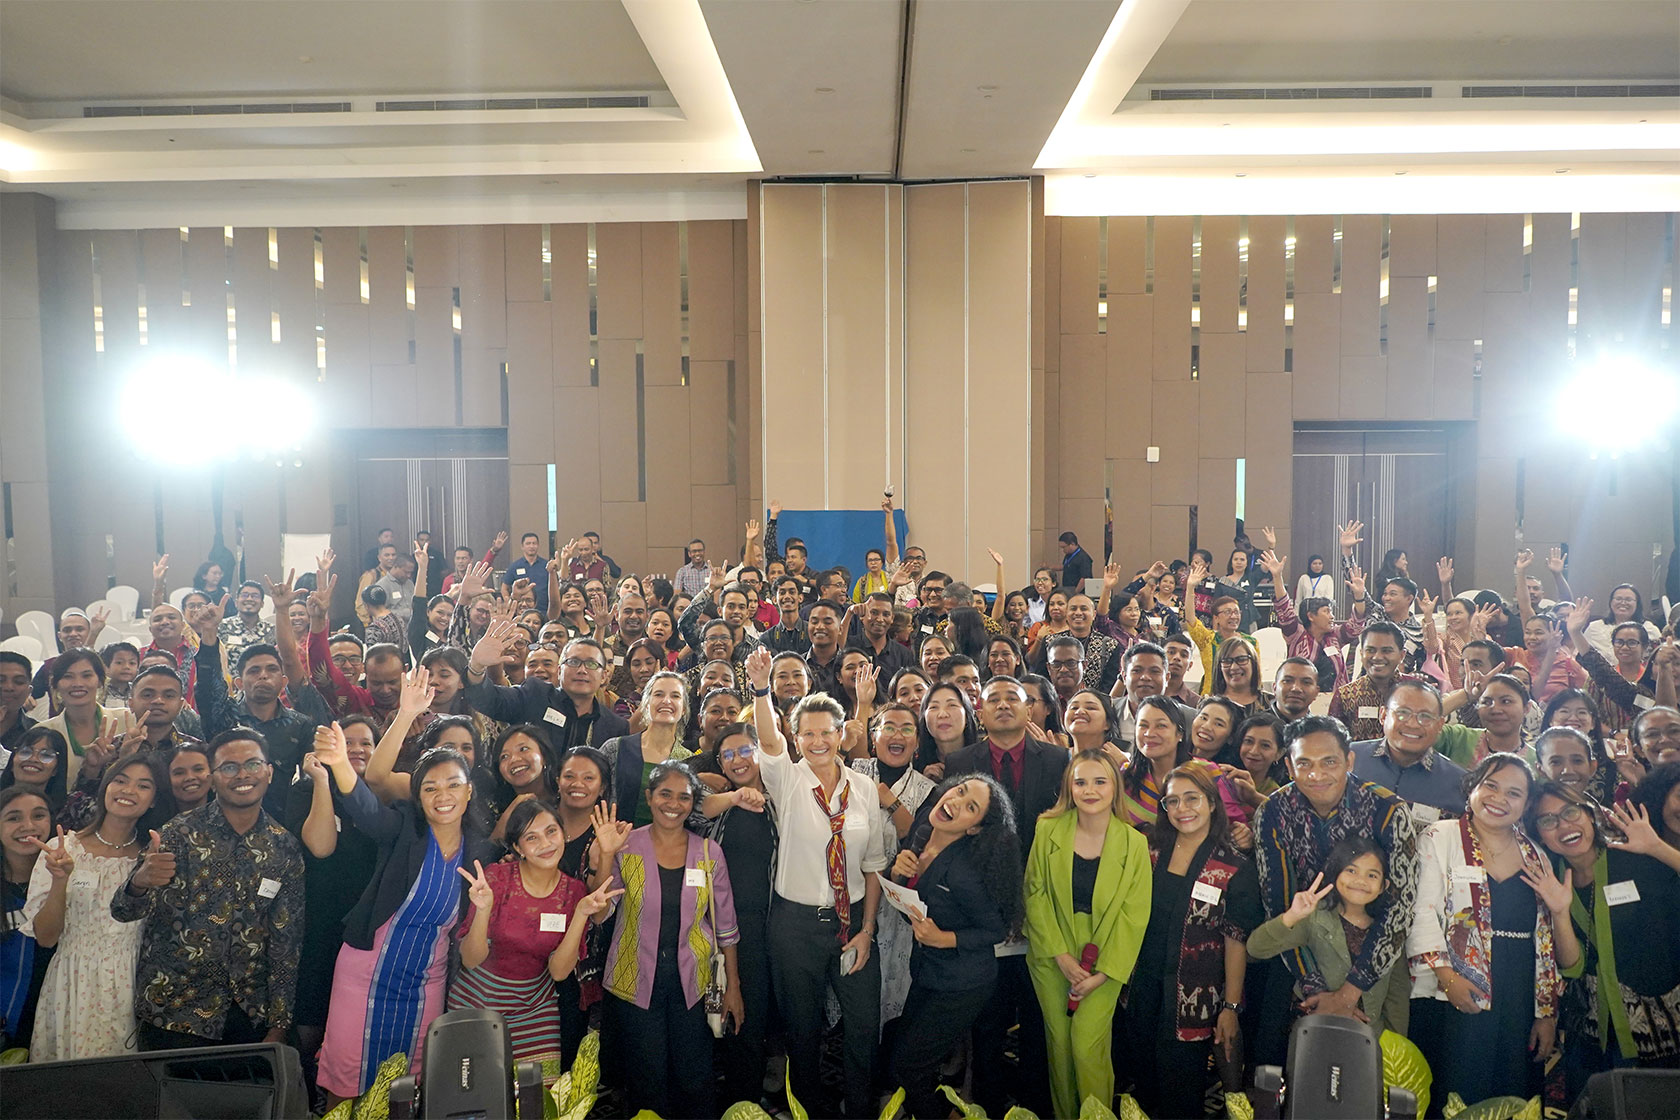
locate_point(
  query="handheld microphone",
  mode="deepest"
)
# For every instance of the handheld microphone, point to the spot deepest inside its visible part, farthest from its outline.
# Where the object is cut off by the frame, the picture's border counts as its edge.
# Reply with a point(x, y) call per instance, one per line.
point(1087, 961)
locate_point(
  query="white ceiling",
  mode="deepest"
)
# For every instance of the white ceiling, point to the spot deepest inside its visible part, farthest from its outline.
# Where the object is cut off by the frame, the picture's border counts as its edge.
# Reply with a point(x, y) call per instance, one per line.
point(918, 89)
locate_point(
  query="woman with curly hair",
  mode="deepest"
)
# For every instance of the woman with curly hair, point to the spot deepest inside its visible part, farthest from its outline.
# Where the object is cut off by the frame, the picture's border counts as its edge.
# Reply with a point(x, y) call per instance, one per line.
point(968, 874)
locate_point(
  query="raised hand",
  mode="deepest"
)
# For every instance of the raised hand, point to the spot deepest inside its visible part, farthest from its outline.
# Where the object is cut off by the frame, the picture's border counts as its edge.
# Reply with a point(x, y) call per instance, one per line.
point(758, 668)
point(1444, 570)
point(60, 863)
point(1349, 534)
point(210, 618)
point(716, 578)
point(1273, 563)
point(569, 551)
point(417, 692)
point(1524, 559)
point(1269, 535)
point(320, 599)
point(1198, 570)
point(1111, 575)
point(997, 557)
point(421, 557)
point(1548, 888)
point(313, 768)
point(1637, 833)
point(161, 568)
point(488, 651)
point(133, 739)
point(754, 531)
point(281, 592)
point(1579, 616)
point(472, 581)
point(1426, 603)
point(478, 887)
point(868, 680)
point(500, 541)
point(100, 751)
point(1479, 619)
point(324, 562)
point(157, 865)
point(1356, 583)
point(520, 587)
point(330, 748)
point(610, 832)
point(597, 901)
point(1305, 902)
point(1555, 561)
point(775, 509)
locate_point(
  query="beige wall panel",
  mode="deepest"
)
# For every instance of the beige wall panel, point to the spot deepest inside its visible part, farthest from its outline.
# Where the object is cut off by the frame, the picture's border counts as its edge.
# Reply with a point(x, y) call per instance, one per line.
point(668, 499)
point(1511, 375)
point(708, 423)
point(531, 420)
point(1315, 247)
point(481, 387)
point(341, 263)
point(434, 355)
point(207, 276)
point(1267, 499)
point(1127, 259)
point(528, 506)
point(618, 280)
point(936, 504)
point(1603, 271)
point(1079, 276)
point(261, 503)
point(1461, 254)
point(569, 287)
point(1317, 344)
point(530, 348)
point(1130, 353)
point(1053, 294)
point(1411, 245)
point(796, 467)
point(716, 522)
point(750, 263)
point(661, 304)
point(437, 256)
point(1410, 380)
point(856, 286)
point(893, 419)
point(1176, 424)
point(617, 401)
point(118, 262)
point(1504, 249)
point(1169, 531)
point(307, 498)
point(1083, 411)
point(388, 323)
point(1219, 275)
point(294, 299)
point(1496, 521)
point(578, 460)
point(1083, 516)
point(522, 264)
point(23, 420)
point(348, 385)
point(1224, 394)
point(25, 232)
point(1216, 505)
point(1549, 278)
point(999, 377)
point(1454, 379)
point(1361, 278)
point(1270, 417)
point(1128, 484)
point(1363, 387)
point(1648, 271)
point(30, 517)
point(393, 386)
point(1554, 487)
point(483, 288)
point(1265, 294)
point(1172, 299)
point(162, 254)
point(711, 291)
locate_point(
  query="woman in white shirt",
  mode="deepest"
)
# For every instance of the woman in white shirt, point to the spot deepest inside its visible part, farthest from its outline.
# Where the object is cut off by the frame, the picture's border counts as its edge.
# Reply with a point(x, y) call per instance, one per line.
point(827, 891)
point(1626, 605)
point(1315, 582)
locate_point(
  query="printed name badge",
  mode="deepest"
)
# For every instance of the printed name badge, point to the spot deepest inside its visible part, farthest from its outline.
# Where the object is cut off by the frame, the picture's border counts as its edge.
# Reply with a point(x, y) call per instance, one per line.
point(396, 596)
point(1205, 892)
point(927, 629)
point(694, 877)
point(433, 635)
point(1469, 875)
point(551, 923)
point(268, 888)
point(1425, 814)
point(1370, 711)
point(1618, 893)
point(1643, 702)
point(555, 716)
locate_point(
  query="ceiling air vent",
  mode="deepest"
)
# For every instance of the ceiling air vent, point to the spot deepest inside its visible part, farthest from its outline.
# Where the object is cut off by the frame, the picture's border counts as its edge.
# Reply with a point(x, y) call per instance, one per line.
point(1291, 93)
point(216, 110)
point(1595, 90)
point(454, 105)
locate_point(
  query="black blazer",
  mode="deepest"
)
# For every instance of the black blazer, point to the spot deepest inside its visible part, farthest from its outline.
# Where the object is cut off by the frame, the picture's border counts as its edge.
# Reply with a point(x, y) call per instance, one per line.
point(954, 891)
point(402, 849)
point(1041, 780)
point(538, 702)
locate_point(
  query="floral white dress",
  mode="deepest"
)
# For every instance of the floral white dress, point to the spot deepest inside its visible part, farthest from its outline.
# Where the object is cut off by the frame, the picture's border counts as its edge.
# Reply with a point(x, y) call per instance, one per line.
point(87, 998)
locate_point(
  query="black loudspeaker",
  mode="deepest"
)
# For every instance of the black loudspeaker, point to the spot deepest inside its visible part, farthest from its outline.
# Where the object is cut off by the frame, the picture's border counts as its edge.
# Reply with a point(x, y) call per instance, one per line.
point(1629, 1094)
point(469, 1066)
point(1334, 1070)
point(262, 1082)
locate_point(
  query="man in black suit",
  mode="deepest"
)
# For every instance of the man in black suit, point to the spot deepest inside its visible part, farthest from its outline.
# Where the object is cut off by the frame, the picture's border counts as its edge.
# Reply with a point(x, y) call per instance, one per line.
point(1031, 772)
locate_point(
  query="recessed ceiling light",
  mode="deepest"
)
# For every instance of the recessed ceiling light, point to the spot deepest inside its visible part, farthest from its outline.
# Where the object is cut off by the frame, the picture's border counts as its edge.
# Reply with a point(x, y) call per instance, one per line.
point(825, 89)
point(968, 149)
point(1242, 174)
point(987, 89)
point(1561, 171)
point(1090, 174)
point(1399, 172)
point(305, 58)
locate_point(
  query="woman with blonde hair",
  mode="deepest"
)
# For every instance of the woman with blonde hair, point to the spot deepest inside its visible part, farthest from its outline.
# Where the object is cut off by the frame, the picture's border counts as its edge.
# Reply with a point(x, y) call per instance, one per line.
point(663, 712)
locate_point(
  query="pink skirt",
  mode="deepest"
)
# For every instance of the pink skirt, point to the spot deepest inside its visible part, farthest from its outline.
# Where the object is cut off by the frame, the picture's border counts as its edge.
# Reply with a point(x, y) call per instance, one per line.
point(345, 1065)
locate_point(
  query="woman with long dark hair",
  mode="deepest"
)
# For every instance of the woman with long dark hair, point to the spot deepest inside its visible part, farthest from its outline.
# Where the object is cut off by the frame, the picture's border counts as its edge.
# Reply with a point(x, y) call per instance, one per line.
point(585, 792)
point(25, 824)
point(1213, 731)
point(947, 724)
point(1003, 658)
point(965, 633)
point(1186, 992)
point(522, 768)
point(968, 875)
point(1574, 708)
point(1044, 707)
point(1236, 676)
point(1162, 745)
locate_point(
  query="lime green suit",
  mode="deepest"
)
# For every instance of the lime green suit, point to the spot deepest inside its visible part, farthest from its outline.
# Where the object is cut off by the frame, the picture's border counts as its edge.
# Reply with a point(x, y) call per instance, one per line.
point(1080, 1045)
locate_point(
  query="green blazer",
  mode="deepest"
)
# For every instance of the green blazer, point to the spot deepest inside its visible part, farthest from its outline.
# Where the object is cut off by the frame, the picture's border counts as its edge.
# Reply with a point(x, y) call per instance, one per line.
point(1119, 905)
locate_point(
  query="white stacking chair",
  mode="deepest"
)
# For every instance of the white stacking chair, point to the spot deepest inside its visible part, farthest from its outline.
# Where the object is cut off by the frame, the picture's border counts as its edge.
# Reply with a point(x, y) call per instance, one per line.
point(177, 596)
point(127, 598)
point(39, 625)
point(1273, 649)
point(113, 610)
point(26, 645)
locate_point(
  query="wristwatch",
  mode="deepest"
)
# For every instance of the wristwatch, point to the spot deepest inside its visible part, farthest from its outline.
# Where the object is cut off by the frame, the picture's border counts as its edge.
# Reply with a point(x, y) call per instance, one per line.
point(761, 692)
point(1227, 1005)
point(894, 807)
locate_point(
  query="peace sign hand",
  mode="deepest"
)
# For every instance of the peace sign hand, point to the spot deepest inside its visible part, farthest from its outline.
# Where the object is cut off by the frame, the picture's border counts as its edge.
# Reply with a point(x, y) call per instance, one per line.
point(478, 888)
point(597, 901)
point(60, 863)
point(161, 568)
point(1305, 902)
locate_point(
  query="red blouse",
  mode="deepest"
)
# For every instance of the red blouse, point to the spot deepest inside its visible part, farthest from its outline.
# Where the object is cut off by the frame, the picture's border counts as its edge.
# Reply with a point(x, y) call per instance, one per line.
point(519, 942)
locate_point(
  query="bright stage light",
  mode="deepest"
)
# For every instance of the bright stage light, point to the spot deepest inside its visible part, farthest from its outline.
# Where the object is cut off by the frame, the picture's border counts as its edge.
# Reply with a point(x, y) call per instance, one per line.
point(180, 397)
point(1619, 404)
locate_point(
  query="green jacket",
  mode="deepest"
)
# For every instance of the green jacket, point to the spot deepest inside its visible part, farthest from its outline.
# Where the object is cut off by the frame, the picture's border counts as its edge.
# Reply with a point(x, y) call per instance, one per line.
point(1321, 934)
point(1119, 905)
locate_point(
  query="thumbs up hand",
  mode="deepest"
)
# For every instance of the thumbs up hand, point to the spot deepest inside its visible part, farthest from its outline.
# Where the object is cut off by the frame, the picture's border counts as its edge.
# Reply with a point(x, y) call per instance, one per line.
point(157, 865)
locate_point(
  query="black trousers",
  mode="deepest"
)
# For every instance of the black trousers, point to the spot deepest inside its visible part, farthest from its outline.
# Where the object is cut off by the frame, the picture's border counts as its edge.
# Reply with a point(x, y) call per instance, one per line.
point(237, 1030)
point(1013, 1001)
point(1171, 1076)
point(667, 1049)
point(574, 1021)
point(744, 1053)
point(804, 964)
point(932, 1023)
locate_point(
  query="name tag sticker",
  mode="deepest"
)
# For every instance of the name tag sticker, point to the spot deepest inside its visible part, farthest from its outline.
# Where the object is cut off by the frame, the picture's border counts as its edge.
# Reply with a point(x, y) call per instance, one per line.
point(551, 923)
point(338, 824)
point(1469, 875)
point(1425, 814)
point(1370, 711)
point(433, 635)
point(555, 716)
point(618, 660)
point(1643, 702)
point(694, 877)
point(84, 881)
point(1015, 947)
point(927, 629)
point(1616, 894)
point(1206, 892)
point(268, 888)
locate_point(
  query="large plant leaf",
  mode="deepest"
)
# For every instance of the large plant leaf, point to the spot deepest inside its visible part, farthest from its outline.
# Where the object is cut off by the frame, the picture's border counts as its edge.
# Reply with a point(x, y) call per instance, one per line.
point(1403, 1065)
point(1130, 1109)
point(1093, 1109)
point(1494, 1108)
point(890, 1109)
point(969, 1111)
point(1019, 1113)
point(375, 1104)
point(745, 1110)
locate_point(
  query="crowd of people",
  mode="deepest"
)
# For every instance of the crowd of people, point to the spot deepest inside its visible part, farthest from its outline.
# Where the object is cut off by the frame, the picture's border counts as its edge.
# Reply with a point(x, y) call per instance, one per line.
point(1042, 846)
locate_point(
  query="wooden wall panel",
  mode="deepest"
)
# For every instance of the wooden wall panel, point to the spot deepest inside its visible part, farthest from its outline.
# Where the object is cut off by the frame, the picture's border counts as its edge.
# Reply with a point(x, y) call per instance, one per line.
point(483, 284)
point(294, 298)
point(618, 279)
point(708, 417)
point(434, 354)
point(161, 258)
point(1078, 304)
point(388, 321)
point(1128, 487)
point(1224, 385)
point(1411, 245)
point(1461, 253)
point(569, 287)
point(618, 404)
point(1130, 353)
point(855, 282)
point(1083, 411)
point(207, 277)
point(1176, 421)
point(1315, 248)
point(1216, 500)
point(522, 263)
point(934, 502)
point(711, 290)
point(1361, 274)
point(1504, 250)
point(578, 465)
point(1265, 294)
point(1219, 275)
point(668, 499)
point(1410, 389)
point(1171, 336)
point(1318, 349)
point(661, 304)
point(1127, 246)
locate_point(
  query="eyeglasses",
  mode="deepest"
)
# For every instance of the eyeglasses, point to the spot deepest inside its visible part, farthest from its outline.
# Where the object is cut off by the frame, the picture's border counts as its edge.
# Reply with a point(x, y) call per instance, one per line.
point(1405, 715)
point(1627, 643)
point(45, 754)
point(1064, 662)
point(582, 662)
point(1234, 660)
point(742, 752)
point(1669, 733)
point(234, 769)
point(1569, 814)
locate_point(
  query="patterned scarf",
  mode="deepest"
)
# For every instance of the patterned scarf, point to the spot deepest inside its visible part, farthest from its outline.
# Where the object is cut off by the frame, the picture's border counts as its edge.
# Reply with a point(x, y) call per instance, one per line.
point(837, 854)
